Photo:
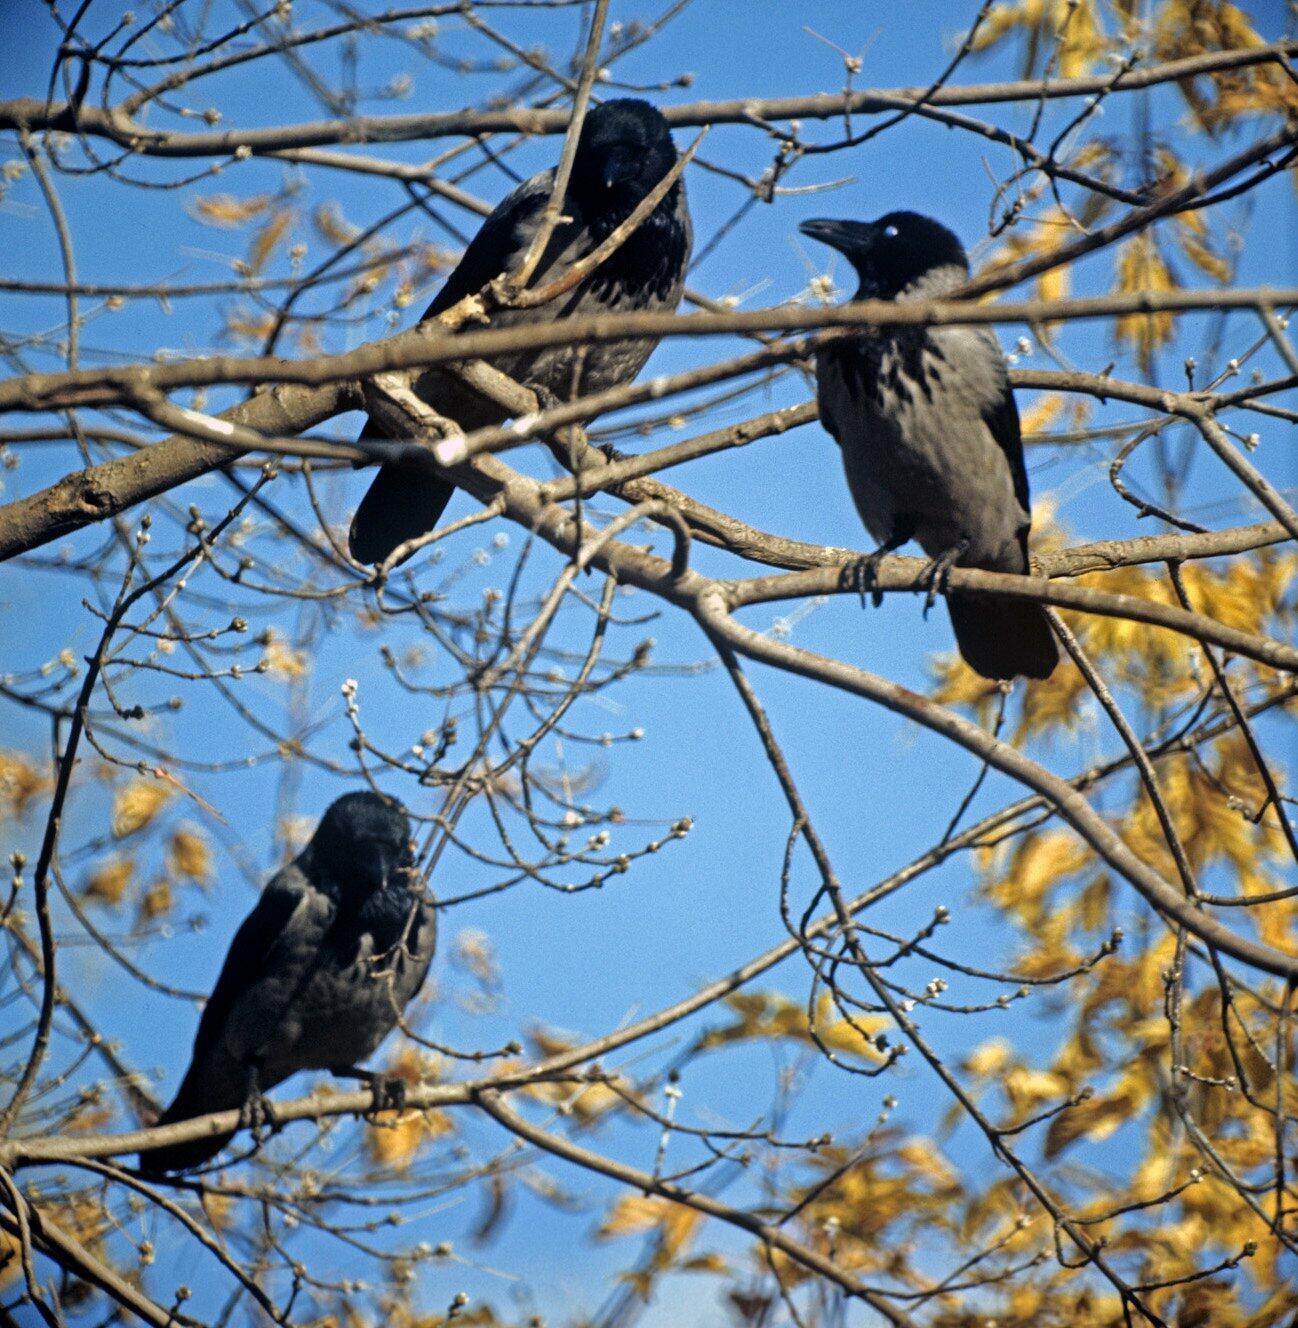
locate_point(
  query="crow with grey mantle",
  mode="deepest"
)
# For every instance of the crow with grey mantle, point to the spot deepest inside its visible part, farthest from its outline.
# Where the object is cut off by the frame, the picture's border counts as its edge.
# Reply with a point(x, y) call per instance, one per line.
point(317, 975)
point(930, 438)
point(623, 151)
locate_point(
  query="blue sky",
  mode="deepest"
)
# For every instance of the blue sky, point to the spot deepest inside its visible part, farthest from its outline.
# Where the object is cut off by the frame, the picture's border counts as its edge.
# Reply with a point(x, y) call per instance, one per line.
point(881, 790)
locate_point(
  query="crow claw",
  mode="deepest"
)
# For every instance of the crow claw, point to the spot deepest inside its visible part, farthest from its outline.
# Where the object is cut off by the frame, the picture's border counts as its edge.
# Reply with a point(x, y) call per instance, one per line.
point(545, 397)
point(389, 1093)
point(863, 575)
point(938, 571)
point(258, 1116)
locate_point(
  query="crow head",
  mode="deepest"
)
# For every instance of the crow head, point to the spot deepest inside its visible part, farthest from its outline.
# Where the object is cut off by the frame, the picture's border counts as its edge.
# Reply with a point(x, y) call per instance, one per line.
point(893, 253)
point(362, 844)
point(624, 150)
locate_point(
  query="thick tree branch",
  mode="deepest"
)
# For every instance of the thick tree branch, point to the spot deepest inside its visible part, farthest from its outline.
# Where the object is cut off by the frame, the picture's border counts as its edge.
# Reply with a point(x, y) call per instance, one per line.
point(429, 344)
point(34, 115)
point(88, 496)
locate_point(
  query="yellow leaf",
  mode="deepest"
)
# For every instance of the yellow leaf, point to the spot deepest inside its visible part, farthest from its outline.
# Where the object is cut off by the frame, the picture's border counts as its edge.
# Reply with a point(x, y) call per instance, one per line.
point(1155, 1172)
point(991, 1058)
point(267, 238)
point(227, 211)
point(632, 1213)
point(639, 1280)
point(189, 856)
point(281, 659)
point(646, 1212)
point(928, 1162)
point(1040, 862)
point(1041, 413)
point(855, 1036)
point(244, 325)
point(711, 1262)
point(773, 1015)
point(20, 783)
point(108, 882)
point(1093, 903)
point(218, 1207)
point(1142, 269)
point(587, 1102)
point(1027, 1088)
point(956, 684)
point(155, 902)
point(395, 1138)
point(333, 226)
point(1094, 1119)
point(1203, 257)
point(136, 805)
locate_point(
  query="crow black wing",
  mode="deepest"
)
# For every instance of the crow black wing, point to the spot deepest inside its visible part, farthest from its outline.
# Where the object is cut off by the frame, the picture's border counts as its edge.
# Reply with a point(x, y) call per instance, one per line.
point(502, 239)
point(400, 504)
point(1002, 420)
point(261, 940)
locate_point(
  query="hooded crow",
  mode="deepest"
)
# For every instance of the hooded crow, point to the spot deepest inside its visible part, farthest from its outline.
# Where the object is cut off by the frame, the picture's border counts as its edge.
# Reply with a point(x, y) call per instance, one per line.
point(930, 437)
point(317, 975)
point(624, 150)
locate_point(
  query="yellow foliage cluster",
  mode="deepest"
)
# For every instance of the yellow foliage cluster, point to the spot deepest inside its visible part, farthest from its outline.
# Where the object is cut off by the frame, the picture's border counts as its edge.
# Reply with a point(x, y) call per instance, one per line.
point(585, 1102)
point(774, 1016)
point(1069, 37)
point(1252, 593)
point(1116, 1067)
point(395, 1138)
point(634, 1214)
point(21, 783)
point(873, 1203)
point(1064, 35)
point(1185, 28)
point(137, 804)
point(674, 1227)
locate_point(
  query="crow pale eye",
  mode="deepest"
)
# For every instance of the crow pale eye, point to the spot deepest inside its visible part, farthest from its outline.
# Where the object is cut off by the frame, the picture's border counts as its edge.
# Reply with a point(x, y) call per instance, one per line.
point(928, 456)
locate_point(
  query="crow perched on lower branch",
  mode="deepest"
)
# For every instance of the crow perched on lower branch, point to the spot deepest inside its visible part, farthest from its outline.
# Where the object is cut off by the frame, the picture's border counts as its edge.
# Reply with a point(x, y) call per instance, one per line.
point(317, 975)
point(930, 437)
point(624, 150)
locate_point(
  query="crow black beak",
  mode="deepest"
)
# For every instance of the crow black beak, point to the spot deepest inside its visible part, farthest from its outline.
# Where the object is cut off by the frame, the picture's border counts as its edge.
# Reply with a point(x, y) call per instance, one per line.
point(620, 168)
point(846, 236)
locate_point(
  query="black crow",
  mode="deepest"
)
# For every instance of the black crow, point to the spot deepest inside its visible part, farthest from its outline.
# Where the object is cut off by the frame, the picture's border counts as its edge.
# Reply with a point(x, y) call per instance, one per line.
point(317, 975)
point(930, 437)
point(623, 151)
